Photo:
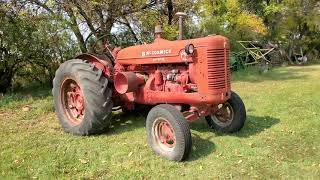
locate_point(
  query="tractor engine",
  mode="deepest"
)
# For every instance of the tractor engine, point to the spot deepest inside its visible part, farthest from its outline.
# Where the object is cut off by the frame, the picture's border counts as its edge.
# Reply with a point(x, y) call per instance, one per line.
point(190, 73)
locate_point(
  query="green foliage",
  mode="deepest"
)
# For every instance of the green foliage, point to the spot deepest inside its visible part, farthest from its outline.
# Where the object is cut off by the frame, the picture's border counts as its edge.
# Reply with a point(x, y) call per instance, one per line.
point(292, 23)
point(32, 47)
point(145, 21)
point(228, 18)
point(299, 26)
point(36, 36)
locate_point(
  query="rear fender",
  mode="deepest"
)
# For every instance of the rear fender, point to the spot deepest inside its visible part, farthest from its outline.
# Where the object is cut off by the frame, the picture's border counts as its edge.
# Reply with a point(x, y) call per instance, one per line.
point(101, 62)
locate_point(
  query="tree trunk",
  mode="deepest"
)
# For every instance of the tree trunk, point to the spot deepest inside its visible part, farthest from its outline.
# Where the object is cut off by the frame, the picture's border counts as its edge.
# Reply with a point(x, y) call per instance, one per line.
point(75, 28)
point(170, 11)
point(5, 80)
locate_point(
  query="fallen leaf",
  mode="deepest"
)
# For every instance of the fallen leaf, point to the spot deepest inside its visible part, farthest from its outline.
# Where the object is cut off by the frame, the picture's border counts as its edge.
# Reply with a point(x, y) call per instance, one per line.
point(16, 161)
point(83, 161)
point(251, 145)
point(26, 108)
point(130, 154)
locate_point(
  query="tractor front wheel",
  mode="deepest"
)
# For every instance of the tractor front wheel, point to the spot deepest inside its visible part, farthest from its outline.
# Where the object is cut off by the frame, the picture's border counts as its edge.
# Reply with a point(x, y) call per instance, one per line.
point(82, 98)
point(230, 116)
point(168, 133)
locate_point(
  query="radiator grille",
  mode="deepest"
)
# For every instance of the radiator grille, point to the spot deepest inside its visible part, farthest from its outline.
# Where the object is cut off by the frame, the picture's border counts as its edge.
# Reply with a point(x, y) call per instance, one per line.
point(218, 69)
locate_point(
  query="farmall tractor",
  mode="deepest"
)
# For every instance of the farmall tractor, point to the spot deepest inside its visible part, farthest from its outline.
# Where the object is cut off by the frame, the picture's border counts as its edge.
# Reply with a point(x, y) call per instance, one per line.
point(184, 80)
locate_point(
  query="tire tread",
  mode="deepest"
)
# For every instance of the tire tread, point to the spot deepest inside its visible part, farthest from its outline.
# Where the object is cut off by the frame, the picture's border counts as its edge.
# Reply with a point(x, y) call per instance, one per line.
point(98, 104)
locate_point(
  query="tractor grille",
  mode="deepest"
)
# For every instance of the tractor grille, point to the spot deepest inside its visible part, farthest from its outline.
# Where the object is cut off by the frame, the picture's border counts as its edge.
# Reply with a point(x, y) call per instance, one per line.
point(218, 69)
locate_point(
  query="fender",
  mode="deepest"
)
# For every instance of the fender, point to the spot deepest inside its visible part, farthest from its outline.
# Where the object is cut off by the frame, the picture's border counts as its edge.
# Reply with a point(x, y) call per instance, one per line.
point(101, 62)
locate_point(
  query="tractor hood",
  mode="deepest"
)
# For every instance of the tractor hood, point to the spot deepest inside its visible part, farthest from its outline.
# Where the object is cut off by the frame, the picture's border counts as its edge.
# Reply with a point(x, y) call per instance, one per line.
point(162, 51)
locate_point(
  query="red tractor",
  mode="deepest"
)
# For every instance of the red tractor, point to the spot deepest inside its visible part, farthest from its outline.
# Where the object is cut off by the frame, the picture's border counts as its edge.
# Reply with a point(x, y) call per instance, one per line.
point(184, 80)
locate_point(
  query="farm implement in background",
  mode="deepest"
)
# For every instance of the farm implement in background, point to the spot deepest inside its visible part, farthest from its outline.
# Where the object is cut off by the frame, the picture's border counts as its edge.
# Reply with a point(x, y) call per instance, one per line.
point(253, 54)
point(267, 55)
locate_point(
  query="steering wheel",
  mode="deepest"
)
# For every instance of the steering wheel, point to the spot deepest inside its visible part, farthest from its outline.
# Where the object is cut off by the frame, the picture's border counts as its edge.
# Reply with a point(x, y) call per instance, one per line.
point(107, 47)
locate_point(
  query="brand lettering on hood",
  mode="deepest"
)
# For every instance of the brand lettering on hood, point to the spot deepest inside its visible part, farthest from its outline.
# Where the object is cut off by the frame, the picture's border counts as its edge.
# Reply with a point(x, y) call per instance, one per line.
point(156, 52)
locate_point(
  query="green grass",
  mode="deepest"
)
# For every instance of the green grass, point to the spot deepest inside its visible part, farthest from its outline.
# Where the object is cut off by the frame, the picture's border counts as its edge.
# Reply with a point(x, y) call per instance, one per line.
point(279, 140)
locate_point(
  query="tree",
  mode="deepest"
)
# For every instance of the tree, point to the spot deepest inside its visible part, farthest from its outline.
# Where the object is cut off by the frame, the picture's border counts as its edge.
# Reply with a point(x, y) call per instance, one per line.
point(93, 17)
point(31, 46)
point(229, 18)
point(299, 26)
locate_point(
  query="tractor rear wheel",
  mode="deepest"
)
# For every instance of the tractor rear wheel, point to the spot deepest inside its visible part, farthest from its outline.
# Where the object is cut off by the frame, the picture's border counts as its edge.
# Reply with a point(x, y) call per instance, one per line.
point(82, 98)
point(168, 133)
point(230, 117)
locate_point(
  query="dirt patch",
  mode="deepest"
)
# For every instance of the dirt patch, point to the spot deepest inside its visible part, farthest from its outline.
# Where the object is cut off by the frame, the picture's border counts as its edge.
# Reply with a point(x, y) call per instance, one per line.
point(6, 114)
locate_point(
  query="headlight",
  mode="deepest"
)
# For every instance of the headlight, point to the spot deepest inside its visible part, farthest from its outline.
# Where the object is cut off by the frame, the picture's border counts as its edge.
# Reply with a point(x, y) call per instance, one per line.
point(189, 49)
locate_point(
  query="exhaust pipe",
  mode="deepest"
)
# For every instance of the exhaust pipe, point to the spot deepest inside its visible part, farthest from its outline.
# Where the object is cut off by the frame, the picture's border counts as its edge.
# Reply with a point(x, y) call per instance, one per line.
point(181, 15)
point(158, 31)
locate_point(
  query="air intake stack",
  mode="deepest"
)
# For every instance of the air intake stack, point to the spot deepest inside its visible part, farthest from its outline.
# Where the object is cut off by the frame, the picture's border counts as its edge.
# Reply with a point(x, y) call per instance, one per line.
point(181, 15)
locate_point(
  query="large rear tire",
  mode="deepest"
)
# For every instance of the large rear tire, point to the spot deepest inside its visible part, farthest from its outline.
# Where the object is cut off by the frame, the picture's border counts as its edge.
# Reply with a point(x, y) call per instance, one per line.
point(82, 98)
point(230, 117)
point(168, 133)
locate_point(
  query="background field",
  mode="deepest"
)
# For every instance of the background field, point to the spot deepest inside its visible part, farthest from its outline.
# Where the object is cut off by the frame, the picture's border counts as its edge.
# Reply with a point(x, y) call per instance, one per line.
point(279, 140)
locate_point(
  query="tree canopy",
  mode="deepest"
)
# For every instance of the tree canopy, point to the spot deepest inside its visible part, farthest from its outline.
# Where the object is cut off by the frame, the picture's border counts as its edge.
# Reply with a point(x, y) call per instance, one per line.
point(37, 35)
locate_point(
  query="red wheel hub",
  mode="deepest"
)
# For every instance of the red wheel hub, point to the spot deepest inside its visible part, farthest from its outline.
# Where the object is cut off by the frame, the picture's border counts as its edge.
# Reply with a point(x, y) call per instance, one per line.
point(164, 133)
point(73, 101)
point(224, 114)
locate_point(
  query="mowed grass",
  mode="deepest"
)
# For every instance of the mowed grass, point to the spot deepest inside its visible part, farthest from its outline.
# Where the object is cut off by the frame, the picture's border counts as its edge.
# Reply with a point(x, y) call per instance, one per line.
point(279, 140)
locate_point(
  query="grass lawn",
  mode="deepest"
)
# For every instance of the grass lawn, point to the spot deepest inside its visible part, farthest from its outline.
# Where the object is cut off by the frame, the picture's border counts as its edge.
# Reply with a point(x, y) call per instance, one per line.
point(280, 139)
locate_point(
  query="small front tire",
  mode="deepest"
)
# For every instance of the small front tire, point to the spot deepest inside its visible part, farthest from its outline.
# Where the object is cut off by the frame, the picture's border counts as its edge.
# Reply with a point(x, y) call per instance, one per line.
point(168, 133)
point(230, 117)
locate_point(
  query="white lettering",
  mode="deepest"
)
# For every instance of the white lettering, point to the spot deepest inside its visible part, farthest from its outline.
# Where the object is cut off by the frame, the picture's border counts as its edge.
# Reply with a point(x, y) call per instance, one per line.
point(156, 52)
point(158, 59)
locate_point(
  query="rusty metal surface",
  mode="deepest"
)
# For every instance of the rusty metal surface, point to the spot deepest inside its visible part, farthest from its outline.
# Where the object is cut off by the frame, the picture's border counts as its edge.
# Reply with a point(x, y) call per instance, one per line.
point(72, 100)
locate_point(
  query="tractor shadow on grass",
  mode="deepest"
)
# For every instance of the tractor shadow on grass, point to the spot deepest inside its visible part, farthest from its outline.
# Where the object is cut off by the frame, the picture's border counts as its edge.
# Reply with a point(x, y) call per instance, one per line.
point(201, 147)
point(125, 122)
point(253, 125)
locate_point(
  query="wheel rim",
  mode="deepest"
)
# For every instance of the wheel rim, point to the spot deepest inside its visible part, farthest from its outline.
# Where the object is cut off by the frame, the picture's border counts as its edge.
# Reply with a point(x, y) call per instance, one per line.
point(72, 101)
point(224, 116)
point(164, 134)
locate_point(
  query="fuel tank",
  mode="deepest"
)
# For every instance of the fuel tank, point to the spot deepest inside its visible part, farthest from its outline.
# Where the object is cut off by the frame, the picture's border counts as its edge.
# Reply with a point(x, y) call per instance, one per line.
point(163, 51)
